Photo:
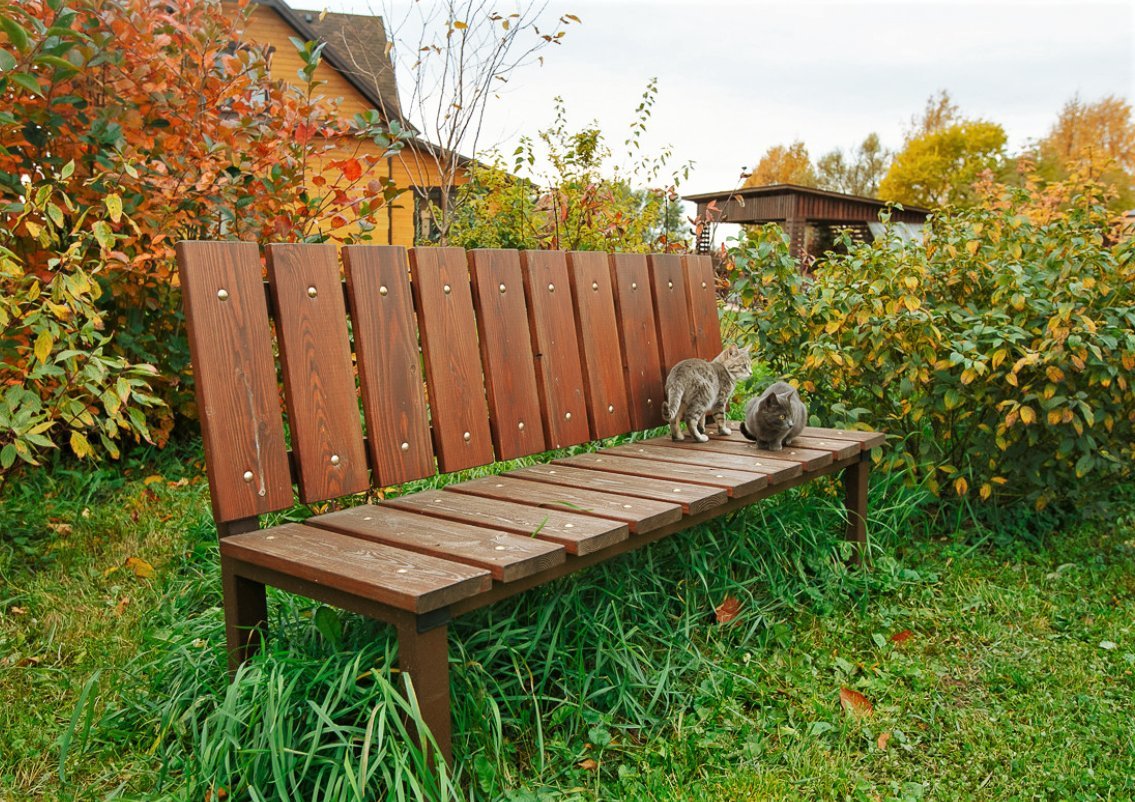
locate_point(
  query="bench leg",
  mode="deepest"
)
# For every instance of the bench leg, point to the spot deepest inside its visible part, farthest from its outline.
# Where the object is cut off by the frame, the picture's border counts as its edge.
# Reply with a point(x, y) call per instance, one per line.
point(425, 657)
point(855, 500)
point(246, 615)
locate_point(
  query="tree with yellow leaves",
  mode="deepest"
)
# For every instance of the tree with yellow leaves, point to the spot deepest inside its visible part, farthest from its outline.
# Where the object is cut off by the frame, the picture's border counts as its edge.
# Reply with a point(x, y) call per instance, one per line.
point(1092, 142)
point(782, 164)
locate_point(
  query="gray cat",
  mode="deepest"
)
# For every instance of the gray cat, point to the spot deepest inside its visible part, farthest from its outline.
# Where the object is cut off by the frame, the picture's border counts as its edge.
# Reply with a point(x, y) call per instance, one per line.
point(696, 388)
point(775, 418)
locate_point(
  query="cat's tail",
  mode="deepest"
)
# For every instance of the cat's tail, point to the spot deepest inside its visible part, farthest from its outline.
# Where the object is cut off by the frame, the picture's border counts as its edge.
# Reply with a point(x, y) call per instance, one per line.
point(667, 406)
point(745, 433)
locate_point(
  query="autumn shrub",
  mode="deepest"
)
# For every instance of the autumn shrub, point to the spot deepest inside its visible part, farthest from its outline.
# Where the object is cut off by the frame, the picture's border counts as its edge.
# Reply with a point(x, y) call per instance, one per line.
point(999, 351)
point(127, 125)
point(582, 202)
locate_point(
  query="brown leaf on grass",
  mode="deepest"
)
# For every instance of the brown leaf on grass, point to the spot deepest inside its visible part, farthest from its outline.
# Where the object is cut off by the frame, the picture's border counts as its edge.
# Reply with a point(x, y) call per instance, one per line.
point(588, 765)
point(153, 478)
point(123, 603)
point(59, 527)
point(141, 568)
point(729, 609)
point(18, 611)
point(219, 793)
point(884, 739)
point(855, 703)
point(901, 637)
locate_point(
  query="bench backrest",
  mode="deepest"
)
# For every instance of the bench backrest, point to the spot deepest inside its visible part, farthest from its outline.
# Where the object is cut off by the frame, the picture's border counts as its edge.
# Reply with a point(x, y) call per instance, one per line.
point(456, 359)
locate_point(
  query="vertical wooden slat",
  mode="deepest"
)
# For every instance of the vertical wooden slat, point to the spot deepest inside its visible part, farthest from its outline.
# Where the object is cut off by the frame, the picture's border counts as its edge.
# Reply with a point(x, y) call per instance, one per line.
point(238, 404)
point(506, 352)
point(672, 313)
point(453, 369)
point(701, 293)
point(638, 337)
point(551, 321)
point(598, 334)
point(390, 368)
point(319, 380)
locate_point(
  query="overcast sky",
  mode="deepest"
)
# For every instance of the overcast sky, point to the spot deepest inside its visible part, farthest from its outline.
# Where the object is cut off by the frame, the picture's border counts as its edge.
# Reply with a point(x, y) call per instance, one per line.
point(738, 77)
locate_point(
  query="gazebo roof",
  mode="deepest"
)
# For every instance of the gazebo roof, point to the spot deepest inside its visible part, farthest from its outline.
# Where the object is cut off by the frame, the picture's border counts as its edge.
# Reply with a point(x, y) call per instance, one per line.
point(870, 206)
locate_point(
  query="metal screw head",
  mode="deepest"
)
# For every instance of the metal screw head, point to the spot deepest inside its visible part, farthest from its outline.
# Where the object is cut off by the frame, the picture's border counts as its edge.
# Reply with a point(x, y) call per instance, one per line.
point(500, 548)
point(551, 288)
point(335, 459)
point(703, 285)
point(569, 526)
point(595, 286)
point(567, 416)
point(610, 407)
point(634, 285)
point(626, 506)
point(223, 294)
point(520, 426)
point(650, 402)
point(312, 292)
point(405, 446)
point(247, 476)
point(446, 289)
point(468, 437)
point(670, 284)
point(502, 288)
point(382, 290)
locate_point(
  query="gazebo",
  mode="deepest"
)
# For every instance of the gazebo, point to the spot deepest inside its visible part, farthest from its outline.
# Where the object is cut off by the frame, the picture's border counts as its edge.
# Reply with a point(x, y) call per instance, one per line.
point(809, 216)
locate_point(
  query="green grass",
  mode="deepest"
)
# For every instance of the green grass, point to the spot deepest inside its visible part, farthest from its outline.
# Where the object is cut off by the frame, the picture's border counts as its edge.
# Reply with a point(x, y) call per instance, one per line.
point(612, 684)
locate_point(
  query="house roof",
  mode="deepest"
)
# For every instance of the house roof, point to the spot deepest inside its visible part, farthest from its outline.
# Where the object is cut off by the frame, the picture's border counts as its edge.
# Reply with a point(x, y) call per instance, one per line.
point(786, 189)
point(356, 47)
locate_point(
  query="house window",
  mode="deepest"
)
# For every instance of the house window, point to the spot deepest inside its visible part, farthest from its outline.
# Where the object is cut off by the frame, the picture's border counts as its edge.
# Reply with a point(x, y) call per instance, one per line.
point(427, 212)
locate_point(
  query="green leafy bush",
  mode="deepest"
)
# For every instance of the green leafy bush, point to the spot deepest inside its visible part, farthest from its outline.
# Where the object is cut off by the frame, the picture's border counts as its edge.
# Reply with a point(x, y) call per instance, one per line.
point(1000, 350)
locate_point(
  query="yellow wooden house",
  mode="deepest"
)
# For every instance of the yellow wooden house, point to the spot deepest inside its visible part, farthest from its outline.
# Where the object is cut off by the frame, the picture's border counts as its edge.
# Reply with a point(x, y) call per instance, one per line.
point(356, 69)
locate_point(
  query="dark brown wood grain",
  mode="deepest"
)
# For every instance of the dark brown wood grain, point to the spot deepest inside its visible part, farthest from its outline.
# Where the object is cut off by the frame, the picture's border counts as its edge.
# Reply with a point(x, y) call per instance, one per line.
point(641, 515)
point(839, 449)
point(319, 379)
point(506, 353)
point(505, 555)
point(578, 534)
point(238, 398)
point(389, 363)
point(867, 440)
point(598, 334)
point(555, 347)
point(692, 498)
point(392, 576)
point(671, 310)
point(458, 408)
point(736, 483)
point(638, 339)
point(810, 460)
point(776, 470)
point(701, 295)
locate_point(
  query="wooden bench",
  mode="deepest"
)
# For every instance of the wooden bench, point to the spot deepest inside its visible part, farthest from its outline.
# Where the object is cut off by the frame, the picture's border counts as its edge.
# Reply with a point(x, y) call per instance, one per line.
point(456, 361)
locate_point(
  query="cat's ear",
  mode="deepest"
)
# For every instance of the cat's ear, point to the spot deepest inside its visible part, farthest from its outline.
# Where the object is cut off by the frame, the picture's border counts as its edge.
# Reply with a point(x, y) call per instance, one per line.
point(785, 399)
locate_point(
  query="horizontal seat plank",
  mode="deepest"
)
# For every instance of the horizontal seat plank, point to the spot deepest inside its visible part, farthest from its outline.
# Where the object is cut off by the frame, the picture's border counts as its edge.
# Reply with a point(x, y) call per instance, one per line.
point(578, 534)
point(839, 449)
point(867, 440)
point(641, 515)
point(505, 555)
point(777, 470)
point(693, 498)
point(808, 459)
point(396, 577)
point(735, 483)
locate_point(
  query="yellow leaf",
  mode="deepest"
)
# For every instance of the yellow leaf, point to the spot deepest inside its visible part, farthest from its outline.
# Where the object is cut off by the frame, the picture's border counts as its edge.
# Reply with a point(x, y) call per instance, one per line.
point(141, 568)
point(1055, 416)
point(911, 283)
point(999, 356)
point(986, 491)
point(80, 445)
point(460, 25)
point(972, 246)
point(43, 345)
point(968, 376)
point(1027, 415)
point(961, 486)
point(153, 478)
point(1054, 373)
point(114, 206)
point(911, 303)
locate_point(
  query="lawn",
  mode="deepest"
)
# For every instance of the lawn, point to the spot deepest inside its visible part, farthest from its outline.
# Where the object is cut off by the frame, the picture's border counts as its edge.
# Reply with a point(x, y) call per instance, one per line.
point(973, 661)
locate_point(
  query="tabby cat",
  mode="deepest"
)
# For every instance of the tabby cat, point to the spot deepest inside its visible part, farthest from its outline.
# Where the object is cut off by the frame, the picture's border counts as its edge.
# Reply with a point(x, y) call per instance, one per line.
point(775, 417)
point(696, 388)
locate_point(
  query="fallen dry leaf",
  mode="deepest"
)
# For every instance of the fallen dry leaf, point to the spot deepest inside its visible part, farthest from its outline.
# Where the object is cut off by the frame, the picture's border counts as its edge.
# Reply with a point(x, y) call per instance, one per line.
point(123, 603)
point(18, 611)
point(153, 478)
point(141, 568)
point(59, 527)
point(884, 739)
point(727, 610)
point(855, 703)
point(588, 765)
point(901, 637)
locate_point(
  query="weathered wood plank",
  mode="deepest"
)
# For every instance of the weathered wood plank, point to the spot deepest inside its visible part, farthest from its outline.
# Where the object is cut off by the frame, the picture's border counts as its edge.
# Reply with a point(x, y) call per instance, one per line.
point(867, 440)
point(392, 576)
point(551, 320)
point(810, 460)
point(638, 339)
point(458, 408)
point(777, 470)
point(506, 556)
point(578, 534)
point(735, 483)
point(238, 399)
point(389, 360)
point(506, 352)
point(319, 379)
point(701, 293)
point(641, 515)
point(671, 310)
point(693, 498)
